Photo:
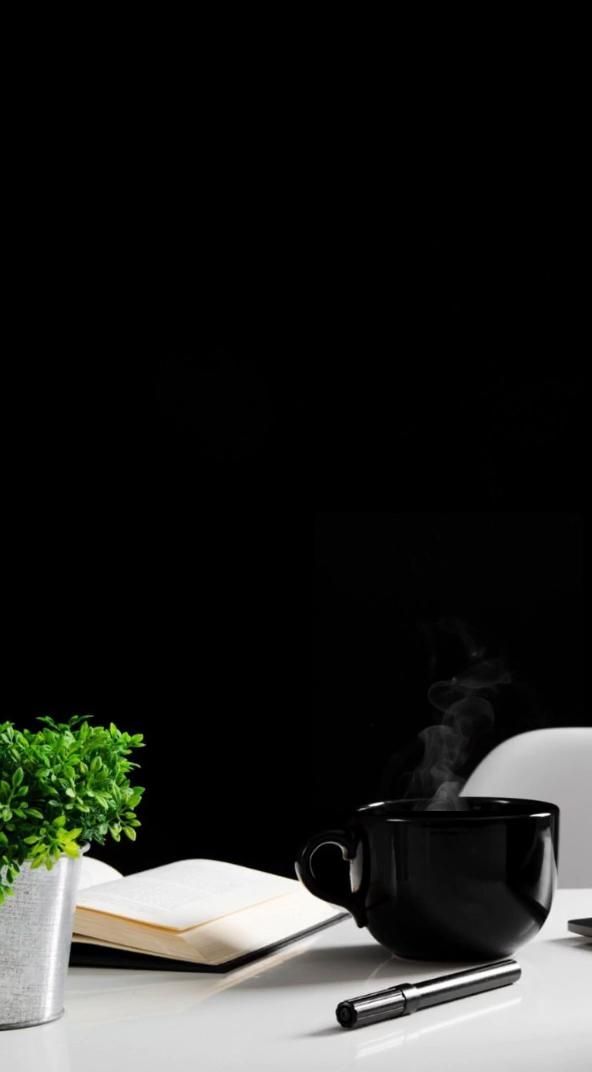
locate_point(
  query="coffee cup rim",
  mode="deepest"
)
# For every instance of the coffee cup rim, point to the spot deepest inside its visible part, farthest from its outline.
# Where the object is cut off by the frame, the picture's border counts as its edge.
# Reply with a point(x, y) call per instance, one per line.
point(525, 808)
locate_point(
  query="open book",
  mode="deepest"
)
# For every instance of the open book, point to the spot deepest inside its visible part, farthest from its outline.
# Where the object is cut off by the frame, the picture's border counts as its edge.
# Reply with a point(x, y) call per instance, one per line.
point(200, 915)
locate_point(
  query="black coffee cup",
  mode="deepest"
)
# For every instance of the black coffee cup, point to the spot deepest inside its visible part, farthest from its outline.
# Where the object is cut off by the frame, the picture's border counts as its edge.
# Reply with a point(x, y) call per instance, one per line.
point(454, 885)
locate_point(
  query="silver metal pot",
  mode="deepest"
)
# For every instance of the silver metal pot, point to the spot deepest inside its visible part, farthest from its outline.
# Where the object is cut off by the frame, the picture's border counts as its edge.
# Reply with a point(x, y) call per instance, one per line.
point(35, 937)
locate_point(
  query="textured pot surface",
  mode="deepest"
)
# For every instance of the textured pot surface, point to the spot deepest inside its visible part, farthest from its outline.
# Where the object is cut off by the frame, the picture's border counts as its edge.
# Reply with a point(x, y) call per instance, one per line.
point(35, 937)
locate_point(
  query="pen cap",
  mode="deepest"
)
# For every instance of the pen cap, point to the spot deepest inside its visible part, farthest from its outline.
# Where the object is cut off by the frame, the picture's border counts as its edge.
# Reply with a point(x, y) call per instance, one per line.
point(371, 1008)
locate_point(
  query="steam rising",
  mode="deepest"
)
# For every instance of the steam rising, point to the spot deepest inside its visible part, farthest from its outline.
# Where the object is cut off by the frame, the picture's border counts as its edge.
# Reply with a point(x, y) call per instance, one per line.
point(467, 715)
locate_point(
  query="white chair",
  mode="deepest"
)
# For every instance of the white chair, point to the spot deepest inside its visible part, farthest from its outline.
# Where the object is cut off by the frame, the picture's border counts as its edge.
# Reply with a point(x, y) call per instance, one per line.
point(553, 765)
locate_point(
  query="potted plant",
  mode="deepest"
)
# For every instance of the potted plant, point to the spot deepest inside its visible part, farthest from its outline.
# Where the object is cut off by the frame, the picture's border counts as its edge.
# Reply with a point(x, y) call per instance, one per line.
point(61, 788)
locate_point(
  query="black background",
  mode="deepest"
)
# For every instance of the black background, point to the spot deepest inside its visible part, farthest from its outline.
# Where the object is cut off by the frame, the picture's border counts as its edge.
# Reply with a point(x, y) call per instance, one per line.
point(181, 417)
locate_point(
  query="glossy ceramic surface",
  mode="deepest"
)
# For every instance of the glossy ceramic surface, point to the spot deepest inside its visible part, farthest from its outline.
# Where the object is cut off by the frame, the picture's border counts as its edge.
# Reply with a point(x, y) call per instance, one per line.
point(472, 883)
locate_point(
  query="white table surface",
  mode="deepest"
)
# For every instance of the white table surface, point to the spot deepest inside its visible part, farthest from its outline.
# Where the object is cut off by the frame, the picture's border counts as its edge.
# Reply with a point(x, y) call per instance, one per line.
point(280, 1014)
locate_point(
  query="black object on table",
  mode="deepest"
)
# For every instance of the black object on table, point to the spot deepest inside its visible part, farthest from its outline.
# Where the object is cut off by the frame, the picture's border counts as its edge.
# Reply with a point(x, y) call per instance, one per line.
point(411, 997)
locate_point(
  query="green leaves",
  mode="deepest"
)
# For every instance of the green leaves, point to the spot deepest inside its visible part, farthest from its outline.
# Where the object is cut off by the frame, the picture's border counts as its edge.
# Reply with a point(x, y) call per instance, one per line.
point(61, 786)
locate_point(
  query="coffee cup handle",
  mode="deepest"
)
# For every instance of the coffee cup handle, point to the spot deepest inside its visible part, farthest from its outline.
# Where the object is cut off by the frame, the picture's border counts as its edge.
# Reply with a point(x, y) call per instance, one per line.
point(304, 869)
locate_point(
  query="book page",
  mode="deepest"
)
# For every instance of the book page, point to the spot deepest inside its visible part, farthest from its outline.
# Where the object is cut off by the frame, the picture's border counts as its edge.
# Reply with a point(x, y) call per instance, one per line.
point(184, 894)
point(93, 872)
point(257, 927)
point(216, 942)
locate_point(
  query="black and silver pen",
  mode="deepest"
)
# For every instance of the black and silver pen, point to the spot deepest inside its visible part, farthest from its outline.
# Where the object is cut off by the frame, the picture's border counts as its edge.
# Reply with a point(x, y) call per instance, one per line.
point(410, 997)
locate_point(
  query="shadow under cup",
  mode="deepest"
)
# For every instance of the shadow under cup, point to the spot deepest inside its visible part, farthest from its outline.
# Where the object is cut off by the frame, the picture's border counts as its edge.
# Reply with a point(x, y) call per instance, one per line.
point(452, 885)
